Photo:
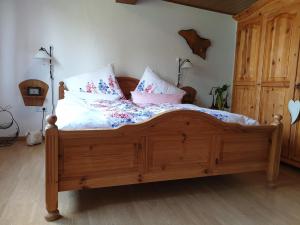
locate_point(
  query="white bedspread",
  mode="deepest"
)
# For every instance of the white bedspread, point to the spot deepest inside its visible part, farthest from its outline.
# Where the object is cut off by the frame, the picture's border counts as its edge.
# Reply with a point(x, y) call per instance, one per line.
point(74, 114)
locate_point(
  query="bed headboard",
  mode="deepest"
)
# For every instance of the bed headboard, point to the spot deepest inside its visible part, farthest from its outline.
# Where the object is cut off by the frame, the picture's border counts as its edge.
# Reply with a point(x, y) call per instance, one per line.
point(128, 84)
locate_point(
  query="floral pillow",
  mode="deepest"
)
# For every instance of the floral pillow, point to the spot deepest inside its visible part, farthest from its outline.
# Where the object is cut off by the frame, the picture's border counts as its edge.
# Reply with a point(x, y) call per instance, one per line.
point(152, 83)
point(102, 82)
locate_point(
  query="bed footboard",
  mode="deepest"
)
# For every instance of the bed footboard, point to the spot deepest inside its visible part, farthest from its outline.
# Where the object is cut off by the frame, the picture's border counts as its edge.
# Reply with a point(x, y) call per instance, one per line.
point(275, 151)
point(175, 145)
point(51, 163)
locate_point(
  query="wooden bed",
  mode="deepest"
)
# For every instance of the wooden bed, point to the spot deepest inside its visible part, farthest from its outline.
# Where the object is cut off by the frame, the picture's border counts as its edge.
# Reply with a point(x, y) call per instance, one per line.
point(175, 145)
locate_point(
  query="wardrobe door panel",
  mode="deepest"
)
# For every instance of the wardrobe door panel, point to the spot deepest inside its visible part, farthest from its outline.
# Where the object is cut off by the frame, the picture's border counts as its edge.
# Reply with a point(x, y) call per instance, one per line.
point(245, 100)
point(280, 49)
point(295, 131)
point(295, 144)
point(279, 67)
point(246, 68)
point(272, 102)
point(248, 43)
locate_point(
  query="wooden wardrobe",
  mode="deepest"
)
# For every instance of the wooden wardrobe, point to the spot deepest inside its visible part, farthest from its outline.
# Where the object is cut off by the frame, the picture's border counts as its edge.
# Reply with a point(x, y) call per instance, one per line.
point(267, 67)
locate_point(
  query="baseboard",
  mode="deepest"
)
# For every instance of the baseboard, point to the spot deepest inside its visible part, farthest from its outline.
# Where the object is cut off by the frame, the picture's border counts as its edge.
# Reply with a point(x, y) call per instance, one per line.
point(290, 162)
point(20, 138)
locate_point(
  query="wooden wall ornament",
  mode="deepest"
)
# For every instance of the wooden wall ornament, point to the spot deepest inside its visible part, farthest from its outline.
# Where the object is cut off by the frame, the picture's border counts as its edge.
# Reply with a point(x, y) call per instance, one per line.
point(30, 100)
point(198, 44)
point(294, 109)
point(131, 2)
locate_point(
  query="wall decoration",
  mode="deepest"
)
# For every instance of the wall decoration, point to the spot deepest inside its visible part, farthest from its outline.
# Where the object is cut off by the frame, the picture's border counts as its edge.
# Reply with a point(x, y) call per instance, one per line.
point(294, 109)
point(33, 92)
point(198, 44)
point(8, 123)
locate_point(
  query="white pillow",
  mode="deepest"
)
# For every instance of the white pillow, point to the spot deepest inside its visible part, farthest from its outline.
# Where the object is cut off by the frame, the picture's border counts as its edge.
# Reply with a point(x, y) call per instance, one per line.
point(90, 97)
point(103, 81)
point(152, 83)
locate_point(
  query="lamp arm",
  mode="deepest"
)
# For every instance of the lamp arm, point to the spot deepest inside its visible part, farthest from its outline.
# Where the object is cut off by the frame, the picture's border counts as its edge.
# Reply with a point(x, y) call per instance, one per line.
point(183, 62)
point(48, 52)
point(179, 72)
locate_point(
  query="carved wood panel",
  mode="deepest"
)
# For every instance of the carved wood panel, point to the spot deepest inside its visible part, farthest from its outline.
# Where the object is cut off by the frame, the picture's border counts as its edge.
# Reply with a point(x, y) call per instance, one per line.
point(117, 158)
point(184, 154)
point(248, 43)
point(294, 153)
point(274, 101)
point(295, 144)
point(232, 154)
point(280, 48)
point(244, 100)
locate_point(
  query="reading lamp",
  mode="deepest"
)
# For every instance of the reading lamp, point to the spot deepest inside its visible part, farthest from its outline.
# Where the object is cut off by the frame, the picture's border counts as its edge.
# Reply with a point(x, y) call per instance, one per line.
point(44, 54)
point(182, 64)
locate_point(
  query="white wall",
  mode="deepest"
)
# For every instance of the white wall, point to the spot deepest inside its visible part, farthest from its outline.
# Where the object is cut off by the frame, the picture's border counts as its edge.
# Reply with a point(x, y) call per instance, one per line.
point(88, 34)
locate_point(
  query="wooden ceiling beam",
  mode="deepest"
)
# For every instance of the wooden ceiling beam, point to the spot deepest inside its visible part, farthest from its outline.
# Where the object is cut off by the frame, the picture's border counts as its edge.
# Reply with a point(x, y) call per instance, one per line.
point(231, 7)
point(131, 2)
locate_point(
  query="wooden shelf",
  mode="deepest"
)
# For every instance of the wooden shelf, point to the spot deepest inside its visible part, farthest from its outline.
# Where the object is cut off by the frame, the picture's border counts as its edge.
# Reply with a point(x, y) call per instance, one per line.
point(31, 97)
point(33, 100)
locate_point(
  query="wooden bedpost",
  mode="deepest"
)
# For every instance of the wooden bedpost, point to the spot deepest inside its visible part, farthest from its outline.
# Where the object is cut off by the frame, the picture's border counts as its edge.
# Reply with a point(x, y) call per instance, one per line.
point(275, 152)
point(61, 90)
point(51, 169)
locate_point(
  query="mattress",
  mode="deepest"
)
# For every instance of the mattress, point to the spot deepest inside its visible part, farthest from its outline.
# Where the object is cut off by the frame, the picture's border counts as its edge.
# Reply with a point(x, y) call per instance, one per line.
point(78, 114)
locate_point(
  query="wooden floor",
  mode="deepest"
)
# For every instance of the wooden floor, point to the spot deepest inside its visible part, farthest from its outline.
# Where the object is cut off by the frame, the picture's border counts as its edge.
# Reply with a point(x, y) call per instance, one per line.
point(239, 199)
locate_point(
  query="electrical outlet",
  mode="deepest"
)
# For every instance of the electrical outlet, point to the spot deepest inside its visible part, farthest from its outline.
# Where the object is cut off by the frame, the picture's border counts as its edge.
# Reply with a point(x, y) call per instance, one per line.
point(40, 109)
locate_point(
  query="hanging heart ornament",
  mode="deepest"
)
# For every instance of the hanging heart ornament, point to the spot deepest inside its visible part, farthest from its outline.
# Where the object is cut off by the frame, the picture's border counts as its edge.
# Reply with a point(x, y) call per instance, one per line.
point(294, 108)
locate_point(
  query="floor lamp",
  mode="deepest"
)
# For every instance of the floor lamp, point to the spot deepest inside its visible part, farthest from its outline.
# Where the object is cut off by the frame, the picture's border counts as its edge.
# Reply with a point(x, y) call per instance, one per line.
point(45, 54)
point(182, 64)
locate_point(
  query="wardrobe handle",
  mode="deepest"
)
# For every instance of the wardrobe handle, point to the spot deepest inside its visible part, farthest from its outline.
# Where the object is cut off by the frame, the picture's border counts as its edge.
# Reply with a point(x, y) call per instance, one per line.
point(297, 86)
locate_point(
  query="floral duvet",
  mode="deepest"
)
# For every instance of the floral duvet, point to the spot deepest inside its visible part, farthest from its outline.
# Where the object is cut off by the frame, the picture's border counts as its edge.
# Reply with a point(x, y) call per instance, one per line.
point(82, 114)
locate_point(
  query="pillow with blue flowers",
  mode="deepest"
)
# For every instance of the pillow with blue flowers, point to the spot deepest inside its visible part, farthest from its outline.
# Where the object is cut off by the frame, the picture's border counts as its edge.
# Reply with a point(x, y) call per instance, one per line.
point(101, 82)
point(152, 83)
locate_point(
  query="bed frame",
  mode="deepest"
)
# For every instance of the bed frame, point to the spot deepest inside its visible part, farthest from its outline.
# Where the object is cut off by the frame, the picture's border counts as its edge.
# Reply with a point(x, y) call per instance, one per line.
point(174, 145)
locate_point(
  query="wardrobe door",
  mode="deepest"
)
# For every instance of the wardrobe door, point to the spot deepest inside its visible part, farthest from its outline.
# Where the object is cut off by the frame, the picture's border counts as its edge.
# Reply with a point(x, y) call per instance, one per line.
point(295, 136)
point(246, 68)
point(244, 100)
point(295, 142)
point(279, 67)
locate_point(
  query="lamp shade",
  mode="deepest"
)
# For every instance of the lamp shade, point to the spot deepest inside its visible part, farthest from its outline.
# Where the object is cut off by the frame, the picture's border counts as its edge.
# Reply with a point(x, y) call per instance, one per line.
point(42, 54)
point(187, 64)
